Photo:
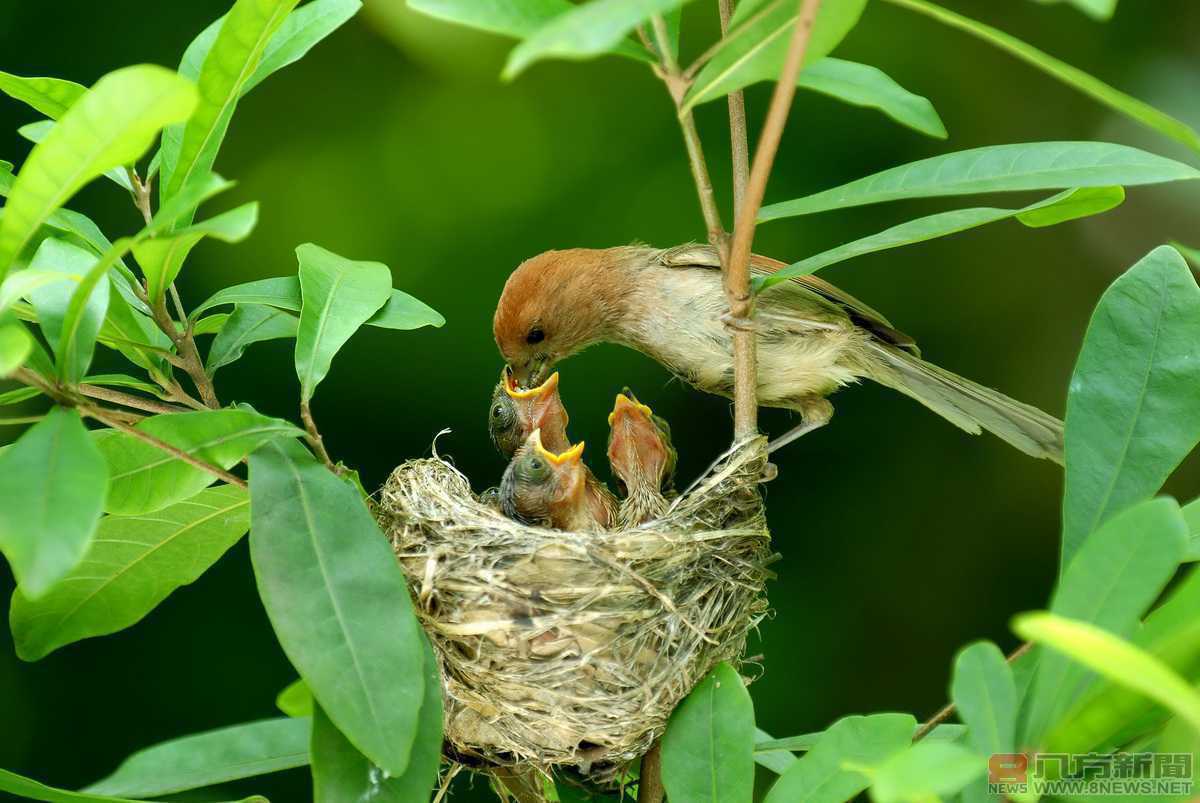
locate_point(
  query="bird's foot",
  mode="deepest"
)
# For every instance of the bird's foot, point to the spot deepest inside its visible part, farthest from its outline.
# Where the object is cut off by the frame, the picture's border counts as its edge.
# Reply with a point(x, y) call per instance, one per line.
point(738, 323)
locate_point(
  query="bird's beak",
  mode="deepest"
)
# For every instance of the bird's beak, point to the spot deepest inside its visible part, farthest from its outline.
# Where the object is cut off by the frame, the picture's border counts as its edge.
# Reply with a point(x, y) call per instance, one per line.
point(567, 467)
point(625, 407)
point(540, 404)
point(635, 445)
point(539, 393)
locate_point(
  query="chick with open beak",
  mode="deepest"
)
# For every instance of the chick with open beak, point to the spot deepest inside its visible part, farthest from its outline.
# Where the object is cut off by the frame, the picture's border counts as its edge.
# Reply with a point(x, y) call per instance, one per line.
point(516, 412)
point(554, 489)
point(642, 458)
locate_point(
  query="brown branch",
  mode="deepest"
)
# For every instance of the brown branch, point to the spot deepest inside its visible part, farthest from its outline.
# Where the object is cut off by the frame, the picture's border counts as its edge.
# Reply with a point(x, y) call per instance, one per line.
point(948, 710)
point(185, 344)
point(105, 417)
point(141, 194)
point(737, 273)
point(314, 436)
point(650, 786)
point(738, 142)
point(128, 400)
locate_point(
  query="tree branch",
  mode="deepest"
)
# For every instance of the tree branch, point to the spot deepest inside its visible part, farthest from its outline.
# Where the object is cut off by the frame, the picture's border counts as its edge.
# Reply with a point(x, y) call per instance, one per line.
point(185, 344)
point(128, 400)
point(105, 417)
point(948, 710)
point(738, 142)
point(314, 436)
point(737, 268)
point(650, 786)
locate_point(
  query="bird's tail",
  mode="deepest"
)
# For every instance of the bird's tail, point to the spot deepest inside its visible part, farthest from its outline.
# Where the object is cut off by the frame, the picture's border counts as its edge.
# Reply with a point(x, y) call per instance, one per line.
point(971, 406)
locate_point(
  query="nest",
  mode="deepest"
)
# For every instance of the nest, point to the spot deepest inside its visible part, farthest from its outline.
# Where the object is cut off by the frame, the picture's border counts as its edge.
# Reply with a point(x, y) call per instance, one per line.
point(561, 648)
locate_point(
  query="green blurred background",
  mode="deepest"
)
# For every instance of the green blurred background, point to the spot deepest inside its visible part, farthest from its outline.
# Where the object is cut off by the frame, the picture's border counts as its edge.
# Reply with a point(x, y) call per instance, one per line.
point(902, 538)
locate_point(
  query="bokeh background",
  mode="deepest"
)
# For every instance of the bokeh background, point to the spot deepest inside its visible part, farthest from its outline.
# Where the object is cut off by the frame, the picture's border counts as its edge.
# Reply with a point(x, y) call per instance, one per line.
point(902, 538)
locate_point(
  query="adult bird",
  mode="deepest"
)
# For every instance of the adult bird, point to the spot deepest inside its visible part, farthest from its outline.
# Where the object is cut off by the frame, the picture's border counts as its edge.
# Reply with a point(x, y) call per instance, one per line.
point(812, 338)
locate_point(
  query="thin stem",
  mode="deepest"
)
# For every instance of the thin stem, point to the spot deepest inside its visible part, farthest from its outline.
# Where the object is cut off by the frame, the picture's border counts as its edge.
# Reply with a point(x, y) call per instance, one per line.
point(737, 273)
point(185, 343)
point(707, 55)
point(738, 142)
point(105, 417)
point(650, 787)
point(948, 710)
point(141, 194)
point(314, 436)
point(677, 86)
point(128, 400)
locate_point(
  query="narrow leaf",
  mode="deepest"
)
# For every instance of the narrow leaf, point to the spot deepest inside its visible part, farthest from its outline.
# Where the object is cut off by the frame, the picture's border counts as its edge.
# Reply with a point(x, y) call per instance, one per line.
point(50, 96)
point(1100, 10)
point(925, 771)
point(1132, 414)
point(338, 601)
point(1094, 88)
point(342, 773)
point(52, 487)
point(36, 132)
point(708, 749)
point(132, 565)
point(296, 699)
point(1114, 658)
point(299, 33)
point(823, 774)
point(209, 758)
point(985, 695)
point(996, 168)
point(340, 295)
point(1064, 206)
point(15, 346)
point(72, 339)
point(757, 43)
point(146, 478)
point(162, 257)
point(111, 125)
point(584, 31)
point(248, 324)
point(864, 85)
point(211, 324)
point(806, 741)
point(29, 789)
point(1117, 573)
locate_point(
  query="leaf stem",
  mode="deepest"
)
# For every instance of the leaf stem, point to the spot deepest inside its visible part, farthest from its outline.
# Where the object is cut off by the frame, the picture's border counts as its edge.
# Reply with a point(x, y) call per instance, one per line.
point(185, 344)
point(105, 417)
point(128, 400)
point(737, 267)
point(141, 194)
point(738, 142)
point(314, 436)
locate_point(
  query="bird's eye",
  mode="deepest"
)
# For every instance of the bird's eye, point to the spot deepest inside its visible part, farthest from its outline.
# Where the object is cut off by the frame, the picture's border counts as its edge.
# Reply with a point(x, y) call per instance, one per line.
point(536, 335)
point(535, 464)
point(497, 411)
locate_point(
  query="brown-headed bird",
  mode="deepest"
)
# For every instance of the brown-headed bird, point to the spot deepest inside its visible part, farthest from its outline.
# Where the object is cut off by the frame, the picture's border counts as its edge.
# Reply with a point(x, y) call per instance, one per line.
point(553, 490)
point(812, 338)
point(642, 458)
point(515, 413)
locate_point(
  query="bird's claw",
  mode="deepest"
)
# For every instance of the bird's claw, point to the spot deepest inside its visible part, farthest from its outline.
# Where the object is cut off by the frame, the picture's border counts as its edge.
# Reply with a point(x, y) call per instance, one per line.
point(738, 323)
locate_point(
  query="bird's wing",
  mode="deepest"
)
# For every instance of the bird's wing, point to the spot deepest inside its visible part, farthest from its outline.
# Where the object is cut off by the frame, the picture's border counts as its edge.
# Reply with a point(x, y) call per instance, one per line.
point(868, 318)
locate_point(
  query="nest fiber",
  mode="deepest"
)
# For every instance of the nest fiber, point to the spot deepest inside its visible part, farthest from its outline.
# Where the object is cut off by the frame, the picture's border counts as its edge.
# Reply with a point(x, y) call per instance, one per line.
point(562, 648)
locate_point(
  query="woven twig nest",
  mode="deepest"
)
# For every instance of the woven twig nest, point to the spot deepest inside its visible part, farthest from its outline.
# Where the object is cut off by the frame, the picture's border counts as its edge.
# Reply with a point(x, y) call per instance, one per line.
point(561, 648)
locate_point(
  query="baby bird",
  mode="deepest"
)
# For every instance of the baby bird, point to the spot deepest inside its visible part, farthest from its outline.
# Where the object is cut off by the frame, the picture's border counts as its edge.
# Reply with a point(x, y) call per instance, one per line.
point(642, 459)
point(515, 413)
point(553, 489)
point(812, 337)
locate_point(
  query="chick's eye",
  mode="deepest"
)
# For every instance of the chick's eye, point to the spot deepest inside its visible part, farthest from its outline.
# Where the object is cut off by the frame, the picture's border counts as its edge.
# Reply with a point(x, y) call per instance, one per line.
point(535, 464)
point(497, 411)
point(536, 335)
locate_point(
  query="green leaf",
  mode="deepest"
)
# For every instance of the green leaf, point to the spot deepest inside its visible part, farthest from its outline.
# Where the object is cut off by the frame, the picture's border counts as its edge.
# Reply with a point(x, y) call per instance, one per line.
point(926, 771)
point(211, 324)
point(146, 478)
point(985, 695)
point(235, 56)
point(340, 295)
point(18, 395)
point(584, 31)
point(1172, 634)
point(338, 601)
point(1114, 658)
point(248, 324)
point(1064, 206)
point(29, 789)
point(1191, 514)
point(178, 211)
point(777, 761)
point(299, 33)
point(1117, 573)
point(72, 339)
point(806, 741)
point(162, 257)
point(212, 757)
point(341, 773)
point(50, 96)
point(864, 85)
point(1094, 88)
point(123, 381)
point(36, 132)
point(1101, 10)
point(708, 748)
point(1191, 254)
point(757, 43)
point(15, 346)
point(111, 125)
point(52, 487)
point(515, 18)
point(134, 334)
point(1132, 414)
point(401, 311)
point(133, 564)
point(822, 775)
point(296, 699)
point(996, 168)
point(20, 284)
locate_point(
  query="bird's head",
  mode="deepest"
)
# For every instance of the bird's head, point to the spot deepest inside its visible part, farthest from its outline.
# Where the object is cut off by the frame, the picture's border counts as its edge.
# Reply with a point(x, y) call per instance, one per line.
point(516, 412)
point(639, 447)
point(556, 304)
point(543, 486)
